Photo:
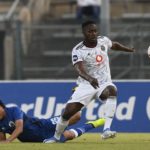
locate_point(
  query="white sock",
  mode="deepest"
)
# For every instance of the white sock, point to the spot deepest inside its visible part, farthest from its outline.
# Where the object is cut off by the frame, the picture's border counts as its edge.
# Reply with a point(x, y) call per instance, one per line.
point(60, 127)
point(110, 109)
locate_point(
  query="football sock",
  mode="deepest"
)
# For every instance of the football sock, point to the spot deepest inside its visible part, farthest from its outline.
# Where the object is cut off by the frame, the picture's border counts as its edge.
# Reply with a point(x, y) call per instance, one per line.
point(110, 108)
point(60, 127)
point(81, 130)
point(88, 126)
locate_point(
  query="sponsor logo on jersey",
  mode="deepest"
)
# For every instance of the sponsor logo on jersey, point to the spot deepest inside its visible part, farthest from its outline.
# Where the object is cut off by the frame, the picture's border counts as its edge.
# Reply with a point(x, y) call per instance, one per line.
point(99, 58)
point(75, 57)
point(11, 124)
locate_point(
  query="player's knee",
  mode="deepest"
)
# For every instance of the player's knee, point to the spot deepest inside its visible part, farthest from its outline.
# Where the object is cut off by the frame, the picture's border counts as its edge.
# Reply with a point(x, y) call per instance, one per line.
point(109, 91)
point(105, 94)
point(112, 91)
point(73, 118)
point(71, 110)
point(66, 115)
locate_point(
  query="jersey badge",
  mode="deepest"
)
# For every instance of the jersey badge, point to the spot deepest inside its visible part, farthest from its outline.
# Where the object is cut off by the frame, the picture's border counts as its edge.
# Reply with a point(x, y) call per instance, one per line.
point(99, 58)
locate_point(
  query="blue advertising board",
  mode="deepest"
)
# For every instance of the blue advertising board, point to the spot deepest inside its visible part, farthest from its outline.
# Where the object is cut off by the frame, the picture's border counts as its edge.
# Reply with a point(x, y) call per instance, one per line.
point(45, 99)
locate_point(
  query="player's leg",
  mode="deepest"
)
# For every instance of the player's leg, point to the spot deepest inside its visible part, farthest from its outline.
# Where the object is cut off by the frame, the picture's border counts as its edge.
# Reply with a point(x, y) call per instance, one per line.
point(109, 94)
point(75, 118)
point(49, 125)
point(80, 98)
point(76, 132)
point(70, 110)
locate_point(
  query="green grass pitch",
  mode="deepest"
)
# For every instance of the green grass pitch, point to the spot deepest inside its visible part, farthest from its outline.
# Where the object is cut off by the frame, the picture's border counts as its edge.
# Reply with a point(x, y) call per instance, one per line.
point(123, 141)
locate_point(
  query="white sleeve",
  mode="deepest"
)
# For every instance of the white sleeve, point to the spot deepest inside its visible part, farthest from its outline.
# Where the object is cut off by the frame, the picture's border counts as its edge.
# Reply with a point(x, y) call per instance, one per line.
point(108, 42)
point(76, 56)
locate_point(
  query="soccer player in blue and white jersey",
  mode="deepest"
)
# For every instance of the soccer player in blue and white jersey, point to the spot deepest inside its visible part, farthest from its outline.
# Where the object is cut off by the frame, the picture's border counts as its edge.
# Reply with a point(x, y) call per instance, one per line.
point(15, 122)
point(91, 61)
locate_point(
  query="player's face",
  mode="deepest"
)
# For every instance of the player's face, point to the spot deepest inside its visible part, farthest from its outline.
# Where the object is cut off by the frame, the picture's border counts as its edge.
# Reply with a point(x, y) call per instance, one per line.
point(90, 33)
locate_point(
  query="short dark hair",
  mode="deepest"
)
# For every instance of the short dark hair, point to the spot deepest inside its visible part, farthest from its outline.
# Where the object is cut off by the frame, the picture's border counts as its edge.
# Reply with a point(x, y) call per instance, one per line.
point(86, 23)
point(2, 104)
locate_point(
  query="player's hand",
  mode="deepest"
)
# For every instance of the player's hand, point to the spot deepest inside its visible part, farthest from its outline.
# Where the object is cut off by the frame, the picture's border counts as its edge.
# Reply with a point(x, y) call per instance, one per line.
point(94, 82)
point(132, 49)
point(4, 142)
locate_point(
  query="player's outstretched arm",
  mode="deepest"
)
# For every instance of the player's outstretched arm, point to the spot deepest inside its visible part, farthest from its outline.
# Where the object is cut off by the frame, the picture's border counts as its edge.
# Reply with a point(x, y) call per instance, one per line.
point(18, 130)
point(76, 132)
point(119, 47)
point(2, 136)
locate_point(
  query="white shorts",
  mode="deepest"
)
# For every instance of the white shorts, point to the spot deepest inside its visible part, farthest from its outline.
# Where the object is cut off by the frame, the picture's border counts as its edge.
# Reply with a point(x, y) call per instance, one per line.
point(85, 93)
